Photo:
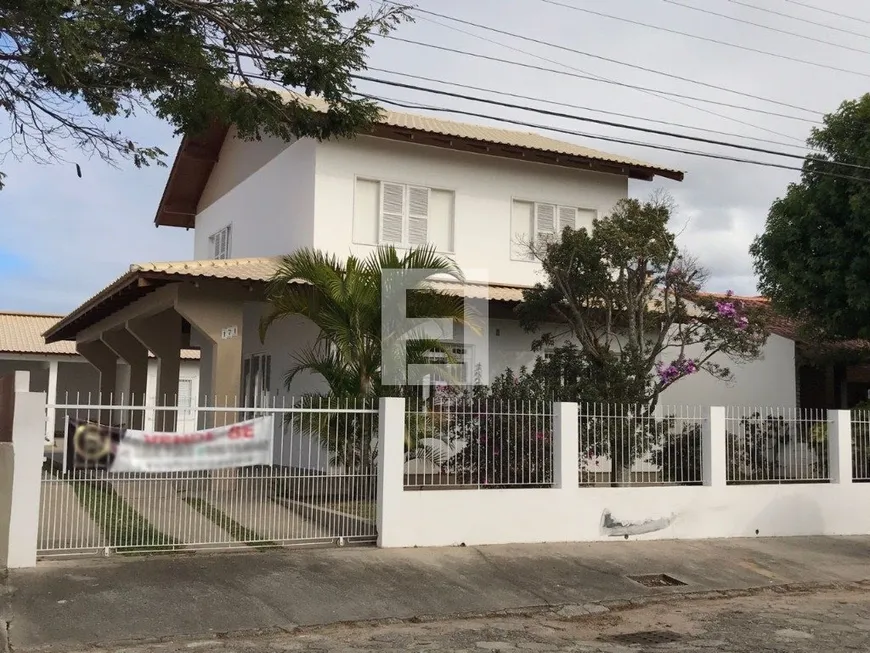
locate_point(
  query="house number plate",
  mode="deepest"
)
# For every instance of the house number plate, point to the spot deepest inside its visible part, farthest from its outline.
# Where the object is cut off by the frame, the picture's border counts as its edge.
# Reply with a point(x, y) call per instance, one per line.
point(229, 332)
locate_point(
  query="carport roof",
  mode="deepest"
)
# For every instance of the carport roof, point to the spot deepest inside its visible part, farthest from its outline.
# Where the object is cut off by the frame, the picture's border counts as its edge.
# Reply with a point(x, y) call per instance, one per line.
point(143, 278)
point(21, 333)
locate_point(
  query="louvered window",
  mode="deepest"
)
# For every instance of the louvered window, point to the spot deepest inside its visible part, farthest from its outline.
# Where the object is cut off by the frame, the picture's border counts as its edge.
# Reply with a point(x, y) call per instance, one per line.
point(220, 243)
point(404, 218)
point(551, 220)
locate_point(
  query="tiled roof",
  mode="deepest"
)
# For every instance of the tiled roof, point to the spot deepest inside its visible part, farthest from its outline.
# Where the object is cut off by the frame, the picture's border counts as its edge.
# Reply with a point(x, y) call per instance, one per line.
point(21, 333)
point(496, 135)
point(262, 269)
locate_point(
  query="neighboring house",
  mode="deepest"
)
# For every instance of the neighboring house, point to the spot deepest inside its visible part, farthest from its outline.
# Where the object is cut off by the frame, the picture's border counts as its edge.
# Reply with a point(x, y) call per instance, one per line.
point(477, 193)
point(67, 378)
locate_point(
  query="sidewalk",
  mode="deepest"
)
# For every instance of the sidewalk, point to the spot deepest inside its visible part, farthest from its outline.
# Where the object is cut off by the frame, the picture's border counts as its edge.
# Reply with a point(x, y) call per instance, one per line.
point(76, 603)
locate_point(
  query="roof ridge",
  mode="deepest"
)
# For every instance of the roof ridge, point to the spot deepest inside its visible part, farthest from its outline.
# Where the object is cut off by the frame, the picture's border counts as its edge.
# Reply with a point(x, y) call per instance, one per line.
point(29, 314)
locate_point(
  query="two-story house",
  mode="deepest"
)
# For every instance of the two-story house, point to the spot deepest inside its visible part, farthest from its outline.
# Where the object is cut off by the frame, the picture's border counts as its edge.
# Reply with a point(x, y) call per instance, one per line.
point(477, 192)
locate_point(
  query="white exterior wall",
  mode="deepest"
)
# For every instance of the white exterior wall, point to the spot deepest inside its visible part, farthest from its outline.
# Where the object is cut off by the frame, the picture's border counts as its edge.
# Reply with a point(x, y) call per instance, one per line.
point(484, 188)
point(767, 381)
point(284, 339)
point(265, 190)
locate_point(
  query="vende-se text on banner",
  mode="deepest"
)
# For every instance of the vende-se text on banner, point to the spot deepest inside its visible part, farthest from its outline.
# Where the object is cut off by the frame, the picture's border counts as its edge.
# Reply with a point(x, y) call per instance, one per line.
point(237, 445)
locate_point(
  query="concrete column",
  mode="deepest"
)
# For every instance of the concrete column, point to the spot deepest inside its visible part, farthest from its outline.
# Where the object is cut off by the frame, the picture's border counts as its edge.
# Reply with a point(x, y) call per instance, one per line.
point(713, 449)
point(128, 347)
point(391, 464)
point(51, 398)
point(20, 472)
point(566, 446)
point(219, 320)
point(161, 334)
point(98, 354)
point(840, 446)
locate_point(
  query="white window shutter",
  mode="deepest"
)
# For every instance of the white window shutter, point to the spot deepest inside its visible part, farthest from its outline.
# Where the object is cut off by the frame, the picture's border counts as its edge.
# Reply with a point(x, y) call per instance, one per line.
point(545, 222)
point(418, 215)
point(220, 244)
point(567, 218)
point(392, 213)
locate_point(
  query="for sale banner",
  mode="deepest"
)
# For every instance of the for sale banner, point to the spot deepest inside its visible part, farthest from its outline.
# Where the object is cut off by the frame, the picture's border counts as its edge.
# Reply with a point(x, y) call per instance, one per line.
point(237, 445)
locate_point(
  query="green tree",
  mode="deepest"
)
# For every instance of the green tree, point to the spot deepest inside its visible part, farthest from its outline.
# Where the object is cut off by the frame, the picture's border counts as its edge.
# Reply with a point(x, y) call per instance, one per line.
point(634, 306)
point(343, 299)
point(66, 66)
point(813, 259)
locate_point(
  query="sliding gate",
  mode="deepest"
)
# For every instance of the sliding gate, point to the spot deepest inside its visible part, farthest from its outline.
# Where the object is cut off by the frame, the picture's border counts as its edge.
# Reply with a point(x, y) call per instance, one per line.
point(319, 489)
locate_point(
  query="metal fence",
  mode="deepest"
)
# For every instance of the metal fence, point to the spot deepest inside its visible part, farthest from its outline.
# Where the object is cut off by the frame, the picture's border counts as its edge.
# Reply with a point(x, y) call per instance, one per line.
point(861, 446)
point(776, 445)
point(320, 487)
point(486, 444)
point(630, 445)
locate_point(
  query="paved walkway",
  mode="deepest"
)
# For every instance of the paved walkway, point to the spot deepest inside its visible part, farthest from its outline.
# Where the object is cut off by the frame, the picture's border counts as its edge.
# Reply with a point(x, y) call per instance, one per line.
point(66, 605)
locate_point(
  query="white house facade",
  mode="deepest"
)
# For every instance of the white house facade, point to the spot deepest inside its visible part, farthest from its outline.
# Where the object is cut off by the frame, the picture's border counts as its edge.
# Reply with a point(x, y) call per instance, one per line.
point(479, 194)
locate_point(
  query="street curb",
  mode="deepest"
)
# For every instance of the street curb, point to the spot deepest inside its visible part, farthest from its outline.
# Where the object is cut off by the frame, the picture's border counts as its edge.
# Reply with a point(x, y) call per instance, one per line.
point(560, 612)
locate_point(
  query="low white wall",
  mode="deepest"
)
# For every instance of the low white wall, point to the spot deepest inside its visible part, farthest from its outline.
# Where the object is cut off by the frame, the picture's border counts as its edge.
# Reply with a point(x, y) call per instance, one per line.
point(474, 517)
point(567, 512)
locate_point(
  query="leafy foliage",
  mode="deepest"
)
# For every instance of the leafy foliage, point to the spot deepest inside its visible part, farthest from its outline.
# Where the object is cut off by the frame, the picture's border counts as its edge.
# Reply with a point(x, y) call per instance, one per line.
point(812, 259)
point(679, 455)
point(634, 304)
point(493, 441)
point(344, 300)
point(758, 448)
point(68, 67)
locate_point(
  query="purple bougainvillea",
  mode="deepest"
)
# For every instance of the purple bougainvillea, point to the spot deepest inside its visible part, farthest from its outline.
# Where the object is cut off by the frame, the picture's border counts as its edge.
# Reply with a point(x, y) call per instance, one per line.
point(676, 370)
point(728, 311)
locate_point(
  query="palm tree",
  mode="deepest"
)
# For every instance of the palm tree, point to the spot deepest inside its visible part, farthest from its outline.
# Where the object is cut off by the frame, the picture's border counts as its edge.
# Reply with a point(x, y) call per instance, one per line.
point(344, 300)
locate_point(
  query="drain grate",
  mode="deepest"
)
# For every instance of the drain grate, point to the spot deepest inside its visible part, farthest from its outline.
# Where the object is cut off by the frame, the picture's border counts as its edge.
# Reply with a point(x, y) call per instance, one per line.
point(650, 637)
point(656, 580)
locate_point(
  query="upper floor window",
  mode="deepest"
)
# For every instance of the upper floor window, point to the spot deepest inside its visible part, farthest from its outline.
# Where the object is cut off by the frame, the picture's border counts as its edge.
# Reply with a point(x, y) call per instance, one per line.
point(404, 215)
point(534, 223)
point(220, 243)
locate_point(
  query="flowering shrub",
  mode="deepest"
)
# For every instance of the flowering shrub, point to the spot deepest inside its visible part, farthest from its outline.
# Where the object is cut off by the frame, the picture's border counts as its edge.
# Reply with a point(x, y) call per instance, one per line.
point(676, 370)
point(728, 309)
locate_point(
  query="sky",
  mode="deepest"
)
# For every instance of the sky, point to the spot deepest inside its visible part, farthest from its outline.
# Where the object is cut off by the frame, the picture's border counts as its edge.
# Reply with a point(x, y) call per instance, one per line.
point(63, 238)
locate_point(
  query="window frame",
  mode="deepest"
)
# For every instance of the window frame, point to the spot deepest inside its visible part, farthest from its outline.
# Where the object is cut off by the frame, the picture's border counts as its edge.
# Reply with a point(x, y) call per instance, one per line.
point(533, 226)
point(405, 217)
point(227, 231)
point(250, 396)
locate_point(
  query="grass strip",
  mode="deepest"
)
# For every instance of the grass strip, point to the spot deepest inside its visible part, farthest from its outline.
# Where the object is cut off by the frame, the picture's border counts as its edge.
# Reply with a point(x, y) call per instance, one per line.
point(366, 510)
point(122, 525)
point(227, 523)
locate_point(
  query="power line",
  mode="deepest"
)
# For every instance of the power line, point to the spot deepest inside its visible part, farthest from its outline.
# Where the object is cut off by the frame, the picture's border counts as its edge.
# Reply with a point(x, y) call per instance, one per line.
point(828, 11)
point(584, 75)
point(797, 18)
point(603, 80)
point(650, 92)
point(611, 139)
point(614, 61)
point(768, 27)
point(709, 40)
point(583, 108)
point(596, 121)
